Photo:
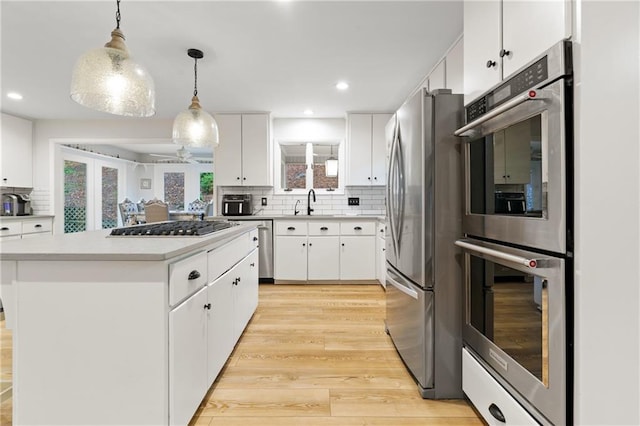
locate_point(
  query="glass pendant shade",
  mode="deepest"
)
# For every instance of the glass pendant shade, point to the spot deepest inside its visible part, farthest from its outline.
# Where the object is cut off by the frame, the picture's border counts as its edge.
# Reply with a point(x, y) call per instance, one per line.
point(195, 127)
point(331, 167)
point(107, 79)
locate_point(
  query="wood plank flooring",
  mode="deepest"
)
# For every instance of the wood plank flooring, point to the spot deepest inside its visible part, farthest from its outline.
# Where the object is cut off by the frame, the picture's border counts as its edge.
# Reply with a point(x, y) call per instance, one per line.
point(319, 355)
point(311, 355)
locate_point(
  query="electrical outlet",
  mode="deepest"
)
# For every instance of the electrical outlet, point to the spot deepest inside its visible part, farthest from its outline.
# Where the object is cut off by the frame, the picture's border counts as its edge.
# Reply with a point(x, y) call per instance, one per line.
point(264, 201)
point(354, 201)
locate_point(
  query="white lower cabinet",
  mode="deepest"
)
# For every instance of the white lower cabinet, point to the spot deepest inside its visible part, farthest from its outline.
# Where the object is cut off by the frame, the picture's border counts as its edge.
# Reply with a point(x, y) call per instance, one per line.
point(220, 336)
point(323, 260)
point(187, 357)
point(245, 293)
point(27, 227)
point(485, 392)
point(325, 250)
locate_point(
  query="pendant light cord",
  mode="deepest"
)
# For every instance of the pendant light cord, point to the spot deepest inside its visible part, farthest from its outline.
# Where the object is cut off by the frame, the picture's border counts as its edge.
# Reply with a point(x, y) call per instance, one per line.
point(195, 73)
point(118, 14)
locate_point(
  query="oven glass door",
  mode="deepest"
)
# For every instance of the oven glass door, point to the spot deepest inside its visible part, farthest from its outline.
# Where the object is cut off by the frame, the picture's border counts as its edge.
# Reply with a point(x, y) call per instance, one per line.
point(515, 174)
point(515, 320)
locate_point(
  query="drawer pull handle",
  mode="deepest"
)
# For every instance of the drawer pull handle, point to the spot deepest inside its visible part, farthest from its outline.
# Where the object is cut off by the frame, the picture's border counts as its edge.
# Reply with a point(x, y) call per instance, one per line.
point(252, 264)
point(207, 306)
point(324, 228)
point(358, 228)
point(193, 275)
point(38, 226)
point(255, 238)
point(496, 413)
point(291, 228)
point(4, 228)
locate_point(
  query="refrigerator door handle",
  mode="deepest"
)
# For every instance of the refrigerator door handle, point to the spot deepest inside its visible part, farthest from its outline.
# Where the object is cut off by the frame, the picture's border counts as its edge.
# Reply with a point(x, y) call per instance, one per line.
point(401, 186)
point(406, 290)
point(391, 184)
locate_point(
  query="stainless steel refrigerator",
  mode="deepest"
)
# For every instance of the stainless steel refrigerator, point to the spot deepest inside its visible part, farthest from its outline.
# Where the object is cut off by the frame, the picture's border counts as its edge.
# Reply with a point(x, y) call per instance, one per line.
point(424, 278)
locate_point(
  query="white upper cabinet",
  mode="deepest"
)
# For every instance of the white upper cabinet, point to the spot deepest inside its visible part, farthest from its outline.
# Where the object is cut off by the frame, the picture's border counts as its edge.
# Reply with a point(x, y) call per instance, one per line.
point(367, 149)
point(16, 152)
point(243, 157)
point(503, 35)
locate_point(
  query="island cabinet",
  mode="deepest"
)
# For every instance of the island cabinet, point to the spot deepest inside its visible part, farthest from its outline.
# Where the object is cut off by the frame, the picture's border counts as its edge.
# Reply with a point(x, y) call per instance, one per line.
point(324, 249)
point(496, 45)
point(125, 330)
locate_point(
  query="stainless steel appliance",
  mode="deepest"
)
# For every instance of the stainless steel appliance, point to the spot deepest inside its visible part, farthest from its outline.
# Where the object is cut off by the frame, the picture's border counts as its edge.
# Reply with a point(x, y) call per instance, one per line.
point(265, 247)
point(518, 266)
point(237, 205)
point(517, 142)
point(424, 295)
point(16, 205)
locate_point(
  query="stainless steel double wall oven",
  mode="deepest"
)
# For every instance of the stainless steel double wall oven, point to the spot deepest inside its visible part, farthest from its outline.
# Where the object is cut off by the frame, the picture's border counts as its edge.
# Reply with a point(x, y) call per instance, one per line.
point(517, 221)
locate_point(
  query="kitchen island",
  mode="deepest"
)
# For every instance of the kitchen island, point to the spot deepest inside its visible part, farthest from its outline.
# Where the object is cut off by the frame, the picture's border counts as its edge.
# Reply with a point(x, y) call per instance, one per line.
point(124, 330)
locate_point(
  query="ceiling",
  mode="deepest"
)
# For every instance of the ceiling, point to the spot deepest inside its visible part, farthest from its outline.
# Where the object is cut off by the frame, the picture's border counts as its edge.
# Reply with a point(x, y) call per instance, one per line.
point(272, 56)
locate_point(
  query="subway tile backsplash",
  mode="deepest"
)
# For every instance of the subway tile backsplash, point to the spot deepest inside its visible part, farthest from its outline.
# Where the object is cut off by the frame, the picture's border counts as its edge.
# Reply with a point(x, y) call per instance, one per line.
point(372, 201)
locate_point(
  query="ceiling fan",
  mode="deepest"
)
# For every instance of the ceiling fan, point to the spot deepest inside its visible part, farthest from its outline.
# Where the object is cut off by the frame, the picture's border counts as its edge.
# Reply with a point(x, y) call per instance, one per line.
point(182, 155)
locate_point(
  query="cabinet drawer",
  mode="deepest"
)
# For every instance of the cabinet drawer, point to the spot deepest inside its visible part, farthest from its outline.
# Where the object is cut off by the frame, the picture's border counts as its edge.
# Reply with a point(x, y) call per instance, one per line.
point(324, 228)
point(293, 227)
point(10, 228)
point(483, 391)
point(357, 228)
point(36, 225)
point(221, 259)
point(187, 276)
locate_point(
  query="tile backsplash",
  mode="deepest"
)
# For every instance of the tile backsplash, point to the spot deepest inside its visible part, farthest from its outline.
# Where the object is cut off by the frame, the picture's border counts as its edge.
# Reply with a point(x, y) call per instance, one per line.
point(372, 201)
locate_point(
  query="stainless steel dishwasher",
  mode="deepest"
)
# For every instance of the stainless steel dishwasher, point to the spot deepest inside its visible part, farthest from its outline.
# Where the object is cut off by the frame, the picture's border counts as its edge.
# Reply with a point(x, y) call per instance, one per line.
point(265, 247)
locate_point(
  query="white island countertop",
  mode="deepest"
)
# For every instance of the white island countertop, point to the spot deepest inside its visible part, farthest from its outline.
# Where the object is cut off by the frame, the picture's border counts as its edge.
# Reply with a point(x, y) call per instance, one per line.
point(98, 245)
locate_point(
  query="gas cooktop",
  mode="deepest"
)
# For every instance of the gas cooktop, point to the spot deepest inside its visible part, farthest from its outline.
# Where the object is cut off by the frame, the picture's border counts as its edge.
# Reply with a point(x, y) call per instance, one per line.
point(178, 228)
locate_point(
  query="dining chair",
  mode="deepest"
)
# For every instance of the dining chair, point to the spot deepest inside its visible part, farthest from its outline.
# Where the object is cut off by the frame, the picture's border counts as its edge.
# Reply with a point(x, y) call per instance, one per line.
point(127, 209)
point(156, 211)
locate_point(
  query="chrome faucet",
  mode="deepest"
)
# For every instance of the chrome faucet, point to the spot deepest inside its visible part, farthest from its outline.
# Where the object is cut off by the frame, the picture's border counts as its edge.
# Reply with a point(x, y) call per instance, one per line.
point(309, 209)
point(295, 208)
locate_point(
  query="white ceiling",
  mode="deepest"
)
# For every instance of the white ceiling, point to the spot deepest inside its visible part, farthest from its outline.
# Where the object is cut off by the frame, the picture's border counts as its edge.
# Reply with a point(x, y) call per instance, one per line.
point(276, 56)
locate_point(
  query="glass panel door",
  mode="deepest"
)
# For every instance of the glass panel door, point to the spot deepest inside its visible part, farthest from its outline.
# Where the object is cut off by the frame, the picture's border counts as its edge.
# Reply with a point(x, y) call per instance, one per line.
point(75, 196)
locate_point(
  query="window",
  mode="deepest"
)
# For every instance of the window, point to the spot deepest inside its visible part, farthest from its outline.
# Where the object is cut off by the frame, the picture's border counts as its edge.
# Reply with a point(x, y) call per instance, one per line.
point(302, 166)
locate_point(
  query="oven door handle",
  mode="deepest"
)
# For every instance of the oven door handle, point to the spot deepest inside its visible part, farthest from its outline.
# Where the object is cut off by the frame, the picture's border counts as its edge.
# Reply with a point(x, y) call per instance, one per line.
point(531, 95)
point(519, 260)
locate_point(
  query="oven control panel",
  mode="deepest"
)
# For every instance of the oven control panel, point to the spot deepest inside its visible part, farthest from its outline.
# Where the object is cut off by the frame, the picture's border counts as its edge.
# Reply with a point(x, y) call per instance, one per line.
point(531, 76)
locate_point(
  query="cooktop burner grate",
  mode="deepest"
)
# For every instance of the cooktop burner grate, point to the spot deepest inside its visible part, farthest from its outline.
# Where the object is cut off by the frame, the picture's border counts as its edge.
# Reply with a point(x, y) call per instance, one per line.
point(179, 228)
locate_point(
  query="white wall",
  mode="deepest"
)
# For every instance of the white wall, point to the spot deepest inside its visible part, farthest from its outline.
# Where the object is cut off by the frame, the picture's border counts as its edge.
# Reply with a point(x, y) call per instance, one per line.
point(607, 276)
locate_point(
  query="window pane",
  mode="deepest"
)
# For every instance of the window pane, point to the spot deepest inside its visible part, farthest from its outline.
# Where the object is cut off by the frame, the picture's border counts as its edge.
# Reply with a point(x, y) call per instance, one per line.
point(321, 153)
point(294, 167)
point(109, 197)
point(206, 186)
point(75, 196)
point(174, 190)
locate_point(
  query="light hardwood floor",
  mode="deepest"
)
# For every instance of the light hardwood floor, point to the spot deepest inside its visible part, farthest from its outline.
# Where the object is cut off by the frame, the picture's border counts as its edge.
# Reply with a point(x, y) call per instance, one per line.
point(313, 355)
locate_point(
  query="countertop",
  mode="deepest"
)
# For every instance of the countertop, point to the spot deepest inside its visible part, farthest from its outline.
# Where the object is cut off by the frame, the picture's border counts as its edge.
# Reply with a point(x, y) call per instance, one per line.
point(97, 245)
point(31, 216)
point(299, 217)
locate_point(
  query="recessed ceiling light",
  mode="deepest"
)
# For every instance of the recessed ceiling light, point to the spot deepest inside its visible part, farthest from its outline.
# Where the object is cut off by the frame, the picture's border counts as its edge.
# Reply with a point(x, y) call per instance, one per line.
point(14, 95)
point(308, 112)
point(342, 85)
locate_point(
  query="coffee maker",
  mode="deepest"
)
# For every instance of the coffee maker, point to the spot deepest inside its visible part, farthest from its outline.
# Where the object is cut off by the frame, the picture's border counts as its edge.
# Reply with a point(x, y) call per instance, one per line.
point(16, 205)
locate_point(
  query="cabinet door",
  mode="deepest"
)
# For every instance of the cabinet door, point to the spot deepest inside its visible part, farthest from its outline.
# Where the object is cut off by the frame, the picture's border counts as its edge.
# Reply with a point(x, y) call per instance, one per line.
point(220, 332)
point(455, 68)
point(187, 358)
point(381, 261)
point(358, 257)
point(379, 149)
point(359, 158)
point(437, 77)
point(256, 158)
point(246, 292)
point(16, 150)
point(290, 258)
point(525, 45)
point(324, 258)
point(228, 155)
point(482, 44)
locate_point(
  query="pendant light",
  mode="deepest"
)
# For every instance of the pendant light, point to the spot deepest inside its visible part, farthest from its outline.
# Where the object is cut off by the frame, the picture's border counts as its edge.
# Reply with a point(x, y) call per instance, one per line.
point(107, 79)
point(195, 127)
point(331, 165)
